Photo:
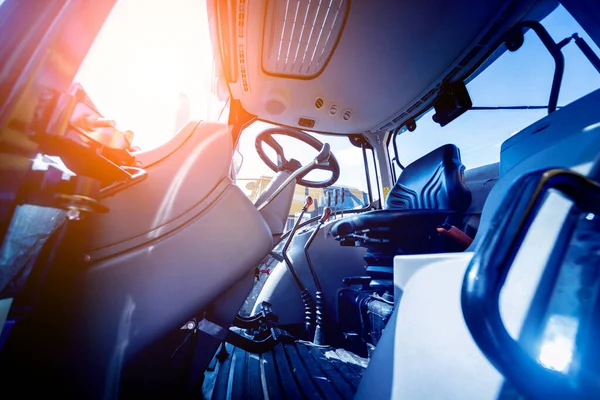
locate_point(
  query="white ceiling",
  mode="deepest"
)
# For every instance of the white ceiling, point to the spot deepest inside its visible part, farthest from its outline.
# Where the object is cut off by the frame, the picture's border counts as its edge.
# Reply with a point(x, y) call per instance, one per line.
point(390, 55)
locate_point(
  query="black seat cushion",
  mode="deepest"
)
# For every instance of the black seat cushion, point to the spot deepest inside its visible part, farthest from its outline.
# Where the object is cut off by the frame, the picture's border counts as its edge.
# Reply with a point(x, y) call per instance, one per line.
point(389, 232)
point(429, 192)
point(434, 181)
point(415, 221)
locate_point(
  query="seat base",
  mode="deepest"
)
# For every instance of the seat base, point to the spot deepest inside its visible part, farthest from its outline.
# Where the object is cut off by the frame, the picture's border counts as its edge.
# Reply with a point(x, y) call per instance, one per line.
point(420, 222)
point(298, 370)
point(386, 233)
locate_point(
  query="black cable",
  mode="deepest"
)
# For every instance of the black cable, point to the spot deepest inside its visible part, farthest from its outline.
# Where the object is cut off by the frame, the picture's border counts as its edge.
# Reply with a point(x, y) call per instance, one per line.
point(286, 258)
point(319, 337)
point(304, 293)
point(491, 108)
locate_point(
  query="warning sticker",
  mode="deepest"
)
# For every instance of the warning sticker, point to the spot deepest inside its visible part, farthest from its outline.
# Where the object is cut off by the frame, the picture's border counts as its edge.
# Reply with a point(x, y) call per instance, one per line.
point(386, 191)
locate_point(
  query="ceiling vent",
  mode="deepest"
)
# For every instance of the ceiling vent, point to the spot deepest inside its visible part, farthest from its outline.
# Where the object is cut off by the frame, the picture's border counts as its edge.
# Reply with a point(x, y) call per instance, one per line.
point(319, 103)
point(242, 64)
point(300, 36)
point(347, 114)
point(333, 109)
point(241, 26)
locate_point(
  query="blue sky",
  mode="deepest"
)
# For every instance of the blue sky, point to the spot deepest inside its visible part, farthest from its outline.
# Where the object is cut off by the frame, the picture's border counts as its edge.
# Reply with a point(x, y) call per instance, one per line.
point(520, 78)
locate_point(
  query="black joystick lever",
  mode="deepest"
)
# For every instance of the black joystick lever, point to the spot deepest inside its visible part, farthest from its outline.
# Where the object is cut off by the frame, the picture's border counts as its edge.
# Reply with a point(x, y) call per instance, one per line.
point(319, 337)
point(335, 203)
point(304, 293)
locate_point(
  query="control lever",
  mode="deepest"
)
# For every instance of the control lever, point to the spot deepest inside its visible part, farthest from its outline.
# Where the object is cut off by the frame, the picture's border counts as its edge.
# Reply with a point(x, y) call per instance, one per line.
point(304, 293)
point(342, 198)
point(319, 337)
point(335, 192)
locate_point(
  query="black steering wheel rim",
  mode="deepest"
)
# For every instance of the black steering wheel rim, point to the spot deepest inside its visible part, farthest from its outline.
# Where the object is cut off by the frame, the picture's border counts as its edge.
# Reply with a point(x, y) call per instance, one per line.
point(266, 136)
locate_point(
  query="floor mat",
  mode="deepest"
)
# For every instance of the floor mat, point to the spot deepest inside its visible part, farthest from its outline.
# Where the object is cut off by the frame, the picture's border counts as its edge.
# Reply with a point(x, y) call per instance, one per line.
point(289, 371)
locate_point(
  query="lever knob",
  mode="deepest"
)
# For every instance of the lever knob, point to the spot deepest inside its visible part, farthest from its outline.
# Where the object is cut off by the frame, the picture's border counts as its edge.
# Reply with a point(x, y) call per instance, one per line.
point(326, 214)
point(307, 203)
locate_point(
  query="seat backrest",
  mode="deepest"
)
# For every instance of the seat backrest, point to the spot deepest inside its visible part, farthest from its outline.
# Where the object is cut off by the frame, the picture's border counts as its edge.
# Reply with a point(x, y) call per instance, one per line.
point(434, 181)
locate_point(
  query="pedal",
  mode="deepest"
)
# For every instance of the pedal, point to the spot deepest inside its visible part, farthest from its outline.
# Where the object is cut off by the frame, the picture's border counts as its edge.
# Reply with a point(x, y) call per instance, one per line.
point(264, 316)
point(260, 335)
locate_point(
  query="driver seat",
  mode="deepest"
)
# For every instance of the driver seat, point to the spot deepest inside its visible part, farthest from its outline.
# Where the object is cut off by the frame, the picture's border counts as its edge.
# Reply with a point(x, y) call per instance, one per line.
point(429, 192)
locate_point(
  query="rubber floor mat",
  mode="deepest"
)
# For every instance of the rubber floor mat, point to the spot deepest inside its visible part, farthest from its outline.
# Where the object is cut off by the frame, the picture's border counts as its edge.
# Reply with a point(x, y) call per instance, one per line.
point(289, 371)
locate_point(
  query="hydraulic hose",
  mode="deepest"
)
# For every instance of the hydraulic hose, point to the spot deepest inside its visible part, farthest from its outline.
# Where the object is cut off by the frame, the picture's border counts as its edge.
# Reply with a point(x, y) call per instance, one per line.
point(307, 299)
point(319, 337)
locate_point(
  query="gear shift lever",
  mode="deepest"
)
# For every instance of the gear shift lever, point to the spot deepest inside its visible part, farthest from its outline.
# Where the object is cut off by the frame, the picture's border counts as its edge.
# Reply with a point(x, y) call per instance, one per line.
point(319, 337)
point(304, 293)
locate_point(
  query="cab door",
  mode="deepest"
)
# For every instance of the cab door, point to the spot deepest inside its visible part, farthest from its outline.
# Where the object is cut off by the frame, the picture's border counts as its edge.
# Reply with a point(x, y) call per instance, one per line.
point(43, 43)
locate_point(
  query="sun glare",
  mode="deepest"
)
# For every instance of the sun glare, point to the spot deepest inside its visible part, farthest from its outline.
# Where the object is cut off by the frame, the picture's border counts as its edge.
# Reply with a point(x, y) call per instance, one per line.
point(556, 350)
point(151, 67)
point(557, 354)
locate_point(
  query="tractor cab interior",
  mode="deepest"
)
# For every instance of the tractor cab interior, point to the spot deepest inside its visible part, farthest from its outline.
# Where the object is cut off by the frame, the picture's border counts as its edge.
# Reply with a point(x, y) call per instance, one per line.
point(169, 272)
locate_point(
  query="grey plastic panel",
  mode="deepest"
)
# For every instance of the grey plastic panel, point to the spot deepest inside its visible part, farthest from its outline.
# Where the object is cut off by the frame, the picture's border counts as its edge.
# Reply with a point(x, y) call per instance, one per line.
point(148, 157)
point(175, 185)
point(407, 266)
point(223, 312)
point(145, 293)
point(426, 351)
point(277, 211)
point(189, 235)
point(568, 137)
point(332, 263)
point(480, 182)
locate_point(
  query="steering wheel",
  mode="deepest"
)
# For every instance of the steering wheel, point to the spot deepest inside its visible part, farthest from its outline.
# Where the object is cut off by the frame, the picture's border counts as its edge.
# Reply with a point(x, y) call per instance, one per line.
point(266, 136)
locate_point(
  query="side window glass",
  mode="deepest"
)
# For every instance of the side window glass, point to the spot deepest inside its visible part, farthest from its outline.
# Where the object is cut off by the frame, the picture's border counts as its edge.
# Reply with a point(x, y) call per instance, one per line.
point(522, 78)
point(151, 69)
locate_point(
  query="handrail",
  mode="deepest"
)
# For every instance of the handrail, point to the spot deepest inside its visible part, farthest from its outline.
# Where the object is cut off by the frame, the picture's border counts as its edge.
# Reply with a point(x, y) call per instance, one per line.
point(487, 272)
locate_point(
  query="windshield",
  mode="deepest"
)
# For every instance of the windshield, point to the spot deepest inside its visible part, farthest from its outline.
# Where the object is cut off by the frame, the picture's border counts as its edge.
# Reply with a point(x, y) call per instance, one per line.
point(522, 78)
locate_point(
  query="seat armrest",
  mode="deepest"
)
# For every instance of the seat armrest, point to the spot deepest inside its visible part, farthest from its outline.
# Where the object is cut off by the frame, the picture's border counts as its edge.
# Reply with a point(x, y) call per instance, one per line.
point(391, 220)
